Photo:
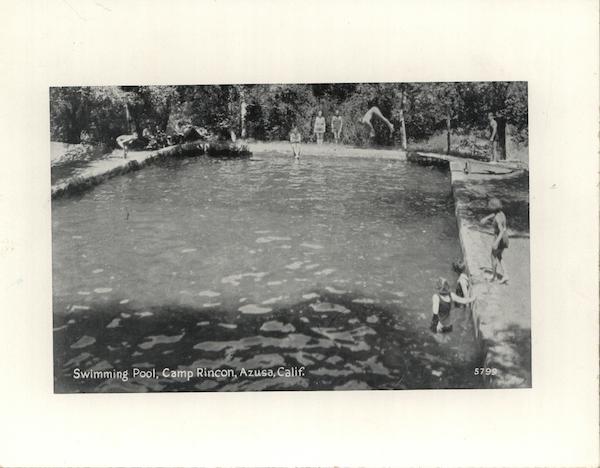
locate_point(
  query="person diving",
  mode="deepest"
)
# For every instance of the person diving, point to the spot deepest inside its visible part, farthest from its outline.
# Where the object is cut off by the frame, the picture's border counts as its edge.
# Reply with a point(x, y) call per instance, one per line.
point(366, 120)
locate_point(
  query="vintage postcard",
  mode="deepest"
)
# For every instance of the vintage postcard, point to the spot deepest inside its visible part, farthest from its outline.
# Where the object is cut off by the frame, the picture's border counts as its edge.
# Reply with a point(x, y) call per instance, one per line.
point(228, 226)
point(341, 236)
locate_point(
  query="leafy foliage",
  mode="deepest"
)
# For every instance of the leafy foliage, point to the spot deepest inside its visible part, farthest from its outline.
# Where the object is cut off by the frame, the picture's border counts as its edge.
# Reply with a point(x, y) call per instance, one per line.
point(100, 114)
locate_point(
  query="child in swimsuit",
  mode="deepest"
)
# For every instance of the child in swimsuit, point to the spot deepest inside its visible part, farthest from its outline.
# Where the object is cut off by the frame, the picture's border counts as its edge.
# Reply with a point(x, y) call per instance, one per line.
point(463, 285)
point(500, 239)
point(320, 127)
point(295, 139)
point(336, 126)
point(442, 305)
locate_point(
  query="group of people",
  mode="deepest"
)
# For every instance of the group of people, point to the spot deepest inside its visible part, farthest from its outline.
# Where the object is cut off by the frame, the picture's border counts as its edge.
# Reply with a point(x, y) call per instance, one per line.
point(319, 128)
point(444, 298)
point(336, 127)
point(152, 140)
point(337, 124)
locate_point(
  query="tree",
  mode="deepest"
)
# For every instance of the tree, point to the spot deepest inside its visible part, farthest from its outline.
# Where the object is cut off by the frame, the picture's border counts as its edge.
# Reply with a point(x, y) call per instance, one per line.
point(269, 111)
point(99, 111)
point(448, 105)
point(508, 102)
point(160, 101)
point(69, 113)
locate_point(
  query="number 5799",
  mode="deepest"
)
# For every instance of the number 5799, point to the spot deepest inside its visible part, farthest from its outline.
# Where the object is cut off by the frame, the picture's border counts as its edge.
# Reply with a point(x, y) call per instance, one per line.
point(485, 371)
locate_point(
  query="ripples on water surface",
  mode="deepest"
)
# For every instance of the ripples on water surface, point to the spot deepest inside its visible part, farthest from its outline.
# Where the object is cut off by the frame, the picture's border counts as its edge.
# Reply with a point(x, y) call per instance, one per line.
point(327, 263)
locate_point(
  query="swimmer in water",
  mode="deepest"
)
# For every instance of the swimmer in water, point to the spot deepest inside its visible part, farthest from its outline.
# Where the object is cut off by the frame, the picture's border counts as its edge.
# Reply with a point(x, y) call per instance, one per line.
point(295, 140)
point(463, 284)
point(366, 119)
point(442, 304)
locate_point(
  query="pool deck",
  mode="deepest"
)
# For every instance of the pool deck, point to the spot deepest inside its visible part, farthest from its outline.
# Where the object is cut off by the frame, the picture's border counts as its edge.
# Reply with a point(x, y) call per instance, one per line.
point(502, 313)
point(96, 171)
point(325, 150)
point(112, 164)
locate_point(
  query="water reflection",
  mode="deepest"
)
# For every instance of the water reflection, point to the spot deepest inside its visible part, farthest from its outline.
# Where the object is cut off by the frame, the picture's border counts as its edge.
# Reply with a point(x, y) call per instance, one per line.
point(337, 340)
point(326, 264)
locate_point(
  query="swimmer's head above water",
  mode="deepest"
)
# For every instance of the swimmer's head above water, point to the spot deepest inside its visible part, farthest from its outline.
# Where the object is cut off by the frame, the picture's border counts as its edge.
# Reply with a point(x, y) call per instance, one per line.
point(459, 266)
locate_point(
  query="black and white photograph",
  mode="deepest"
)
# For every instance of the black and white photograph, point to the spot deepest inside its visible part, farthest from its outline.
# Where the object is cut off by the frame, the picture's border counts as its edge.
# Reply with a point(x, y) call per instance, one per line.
point(338, 236)
point(299, 234)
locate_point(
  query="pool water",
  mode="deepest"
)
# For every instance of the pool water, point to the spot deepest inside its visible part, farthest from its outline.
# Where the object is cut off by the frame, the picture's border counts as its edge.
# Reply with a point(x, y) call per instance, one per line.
point(327, 264)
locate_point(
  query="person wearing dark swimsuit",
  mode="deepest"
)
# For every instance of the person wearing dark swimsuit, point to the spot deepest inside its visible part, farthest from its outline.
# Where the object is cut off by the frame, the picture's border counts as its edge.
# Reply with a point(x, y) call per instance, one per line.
point(442, 305)
point(336, 126)
point(463, 284)
point(500, 239)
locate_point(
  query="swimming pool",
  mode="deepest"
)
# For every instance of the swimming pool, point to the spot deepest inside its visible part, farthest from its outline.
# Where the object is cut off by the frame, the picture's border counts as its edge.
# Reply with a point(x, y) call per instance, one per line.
point(328, 264)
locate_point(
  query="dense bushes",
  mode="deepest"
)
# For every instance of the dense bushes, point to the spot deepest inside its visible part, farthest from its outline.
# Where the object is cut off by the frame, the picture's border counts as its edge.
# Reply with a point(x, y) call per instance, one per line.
point(267, 112)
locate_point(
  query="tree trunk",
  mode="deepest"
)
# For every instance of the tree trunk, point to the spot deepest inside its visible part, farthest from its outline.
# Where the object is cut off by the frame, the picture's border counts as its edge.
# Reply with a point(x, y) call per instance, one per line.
point(165, 118)
point(448, 122)
point(501, 137)
point(73, 134)
point(243, 113)
point(133, 123)
point(402, 124)
point(128, 118)
point(76, 125)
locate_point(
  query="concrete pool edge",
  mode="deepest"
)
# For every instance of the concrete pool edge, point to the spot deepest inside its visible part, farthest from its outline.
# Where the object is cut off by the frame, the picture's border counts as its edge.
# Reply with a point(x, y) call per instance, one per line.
point(498, 346)
point(311, 150)
point(111, 166)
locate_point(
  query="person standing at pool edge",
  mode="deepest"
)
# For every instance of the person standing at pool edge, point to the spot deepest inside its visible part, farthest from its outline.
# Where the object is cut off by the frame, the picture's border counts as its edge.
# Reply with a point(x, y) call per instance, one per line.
point(125, 141)
point(336, 126)
point(493, 137)
point(500, 240)
point(442, 305)
point(295, 140)
point(319, 127)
